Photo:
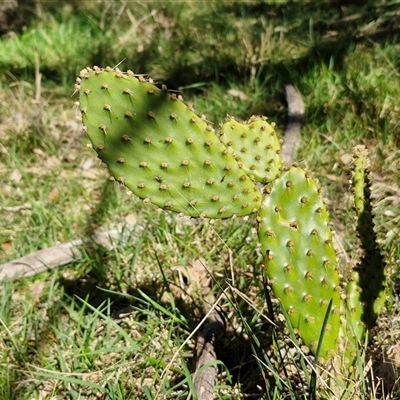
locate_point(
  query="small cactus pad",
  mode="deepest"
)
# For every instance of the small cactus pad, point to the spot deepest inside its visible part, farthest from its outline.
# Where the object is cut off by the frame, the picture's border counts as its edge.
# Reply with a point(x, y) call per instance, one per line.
point(156, 145)
point(300, 261)
point(255, 146)
point(366, 292)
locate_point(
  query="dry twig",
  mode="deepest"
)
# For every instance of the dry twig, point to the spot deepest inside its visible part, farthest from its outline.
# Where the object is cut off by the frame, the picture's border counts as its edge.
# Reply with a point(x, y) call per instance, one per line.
point(206, 368)
point(292, 134)
point(57, 256)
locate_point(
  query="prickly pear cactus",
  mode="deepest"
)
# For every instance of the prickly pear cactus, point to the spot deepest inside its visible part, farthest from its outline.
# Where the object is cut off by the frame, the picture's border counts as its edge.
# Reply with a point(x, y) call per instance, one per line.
point(255, 146)
point(366, 292)
point(300, 261)
point(157, 146)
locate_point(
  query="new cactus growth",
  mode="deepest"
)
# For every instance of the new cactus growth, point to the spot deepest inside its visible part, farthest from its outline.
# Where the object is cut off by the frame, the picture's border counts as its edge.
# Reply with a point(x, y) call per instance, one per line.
point(255, 146)
point(165, 153)
point(300, 261)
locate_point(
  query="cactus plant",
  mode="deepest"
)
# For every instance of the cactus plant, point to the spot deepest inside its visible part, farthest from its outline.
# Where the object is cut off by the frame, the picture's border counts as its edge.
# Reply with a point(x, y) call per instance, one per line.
point(165, 153)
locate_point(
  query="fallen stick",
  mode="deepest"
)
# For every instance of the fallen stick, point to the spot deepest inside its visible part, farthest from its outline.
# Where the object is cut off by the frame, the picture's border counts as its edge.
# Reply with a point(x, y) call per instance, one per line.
point(60, 255)
point(206, 367)
point(292, 135)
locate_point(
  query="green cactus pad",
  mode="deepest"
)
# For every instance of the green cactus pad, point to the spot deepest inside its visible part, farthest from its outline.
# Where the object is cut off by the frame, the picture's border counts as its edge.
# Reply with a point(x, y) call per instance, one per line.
point(156, 145)
point(256, 147)
point(366, 290)
point(300, 261)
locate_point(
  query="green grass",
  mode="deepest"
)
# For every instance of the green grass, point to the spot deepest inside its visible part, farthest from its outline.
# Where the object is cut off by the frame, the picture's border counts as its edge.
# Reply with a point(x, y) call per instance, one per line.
point(61, 333)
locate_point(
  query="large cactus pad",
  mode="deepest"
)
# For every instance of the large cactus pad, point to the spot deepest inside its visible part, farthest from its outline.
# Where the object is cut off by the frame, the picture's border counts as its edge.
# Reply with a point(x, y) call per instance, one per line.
point(300, 259)
point(160, 148)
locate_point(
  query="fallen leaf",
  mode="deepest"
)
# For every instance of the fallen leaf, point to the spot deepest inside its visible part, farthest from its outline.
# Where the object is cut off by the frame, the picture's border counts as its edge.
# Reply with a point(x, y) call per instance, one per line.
point(51, 162)
point(346, 159)
point(238, 93)
point(25, 206)
point(37, 290)
point(87, 164)
point(54, 195)
point(16, 176)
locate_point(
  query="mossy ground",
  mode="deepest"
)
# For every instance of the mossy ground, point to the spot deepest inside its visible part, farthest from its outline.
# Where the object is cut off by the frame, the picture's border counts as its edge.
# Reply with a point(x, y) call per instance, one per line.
point(110, 324)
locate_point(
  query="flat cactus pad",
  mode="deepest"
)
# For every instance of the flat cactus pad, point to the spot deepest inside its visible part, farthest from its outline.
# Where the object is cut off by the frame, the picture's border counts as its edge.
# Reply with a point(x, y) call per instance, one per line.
point(156, 145)
point(300, 261)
